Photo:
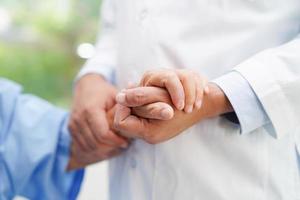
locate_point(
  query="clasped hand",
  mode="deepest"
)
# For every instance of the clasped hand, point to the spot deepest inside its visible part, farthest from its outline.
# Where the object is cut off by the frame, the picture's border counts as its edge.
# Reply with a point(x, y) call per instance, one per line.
point(161, 106)
point(174, 95)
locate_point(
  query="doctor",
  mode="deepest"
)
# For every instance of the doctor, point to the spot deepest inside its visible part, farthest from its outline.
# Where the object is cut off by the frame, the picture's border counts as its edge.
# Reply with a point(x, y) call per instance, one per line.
point(250, 51)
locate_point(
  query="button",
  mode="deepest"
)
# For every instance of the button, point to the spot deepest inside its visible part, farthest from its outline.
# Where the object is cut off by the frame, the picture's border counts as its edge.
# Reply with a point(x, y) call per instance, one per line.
point(133, 163)
point(143, 14)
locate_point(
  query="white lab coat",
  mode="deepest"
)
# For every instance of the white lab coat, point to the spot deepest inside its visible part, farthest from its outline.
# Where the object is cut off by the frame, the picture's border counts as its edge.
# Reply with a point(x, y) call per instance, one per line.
point(211, 160)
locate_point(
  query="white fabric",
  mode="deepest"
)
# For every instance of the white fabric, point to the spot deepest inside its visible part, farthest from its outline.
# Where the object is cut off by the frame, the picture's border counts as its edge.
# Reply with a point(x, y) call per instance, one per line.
point(211, 160)
point(247, 107)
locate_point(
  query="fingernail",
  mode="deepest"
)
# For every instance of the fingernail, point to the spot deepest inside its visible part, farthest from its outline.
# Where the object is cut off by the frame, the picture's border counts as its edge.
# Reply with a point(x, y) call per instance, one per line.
point(121, 98)
point(189, 109)
point(198, 104)
point(124, 146)
point(165, 113)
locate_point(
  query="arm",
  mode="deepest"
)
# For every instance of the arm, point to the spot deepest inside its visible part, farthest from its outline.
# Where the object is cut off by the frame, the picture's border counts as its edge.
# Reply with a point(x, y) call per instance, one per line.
point(270, 89)
point(93, 94)
point(274, 76)
point(34, 143)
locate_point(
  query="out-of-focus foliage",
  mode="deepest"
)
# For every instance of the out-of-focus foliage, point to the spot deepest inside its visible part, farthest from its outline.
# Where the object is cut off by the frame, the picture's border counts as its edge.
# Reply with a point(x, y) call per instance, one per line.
point(39, 48)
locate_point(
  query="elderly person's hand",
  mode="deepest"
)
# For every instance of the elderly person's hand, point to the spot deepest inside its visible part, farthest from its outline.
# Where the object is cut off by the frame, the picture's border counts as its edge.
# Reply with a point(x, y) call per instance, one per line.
point(93, 98)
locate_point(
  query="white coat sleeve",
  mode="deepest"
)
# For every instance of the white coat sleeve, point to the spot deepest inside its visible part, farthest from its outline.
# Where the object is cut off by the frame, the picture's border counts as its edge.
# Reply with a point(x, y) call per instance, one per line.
point(104, 60)
point(248, 111)
point(274, 75)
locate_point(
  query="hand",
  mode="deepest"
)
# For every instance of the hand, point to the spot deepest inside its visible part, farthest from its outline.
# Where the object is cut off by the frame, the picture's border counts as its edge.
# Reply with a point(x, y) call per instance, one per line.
point(89, 127)
point(162, 111)
point(156, 131)
point(80, 158)
point(147, 102)
point(185, 87)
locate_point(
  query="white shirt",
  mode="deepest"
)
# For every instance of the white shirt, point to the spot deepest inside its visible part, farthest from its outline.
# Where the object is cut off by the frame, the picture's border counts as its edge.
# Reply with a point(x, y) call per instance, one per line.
point(212, 160)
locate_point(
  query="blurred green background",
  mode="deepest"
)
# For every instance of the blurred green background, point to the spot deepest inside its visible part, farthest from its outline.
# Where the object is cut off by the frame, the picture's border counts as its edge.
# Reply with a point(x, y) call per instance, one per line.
point(44, 43)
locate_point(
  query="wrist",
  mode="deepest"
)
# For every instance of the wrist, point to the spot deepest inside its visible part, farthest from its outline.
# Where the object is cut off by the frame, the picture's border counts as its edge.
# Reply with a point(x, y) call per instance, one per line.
point(215, 103)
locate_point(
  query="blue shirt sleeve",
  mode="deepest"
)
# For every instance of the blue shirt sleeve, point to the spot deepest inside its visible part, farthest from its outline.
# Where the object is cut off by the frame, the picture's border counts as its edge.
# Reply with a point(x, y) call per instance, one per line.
point(247, 107)
point(34, 148)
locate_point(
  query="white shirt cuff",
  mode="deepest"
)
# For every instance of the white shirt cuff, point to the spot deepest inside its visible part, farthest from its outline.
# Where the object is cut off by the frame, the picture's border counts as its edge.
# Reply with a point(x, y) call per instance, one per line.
point(247, 107)
point(107, 72)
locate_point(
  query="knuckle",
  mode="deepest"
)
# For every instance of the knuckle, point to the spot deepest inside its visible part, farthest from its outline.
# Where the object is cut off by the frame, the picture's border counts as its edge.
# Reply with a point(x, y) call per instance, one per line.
point(147, 75)
point(104, 136)
point(138, 97)
point(168, 77)
point(118, 124)
point(88, 110)
point(185, 78)
point(74, 120)
point(152, 111)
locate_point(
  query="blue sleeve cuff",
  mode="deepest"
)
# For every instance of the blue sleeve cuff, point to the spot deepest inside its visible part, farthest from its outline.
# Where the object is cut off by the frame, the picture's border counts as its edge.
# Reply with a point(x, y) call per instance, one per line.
point(247, 107)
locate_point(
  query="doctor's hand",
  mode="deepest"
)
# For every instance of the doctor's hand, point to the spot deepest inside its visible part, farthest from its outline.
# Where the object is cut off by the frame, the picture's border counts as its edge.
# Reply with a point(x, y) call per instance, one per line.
point(185, 87)
point(93, 98)
point(130, 124)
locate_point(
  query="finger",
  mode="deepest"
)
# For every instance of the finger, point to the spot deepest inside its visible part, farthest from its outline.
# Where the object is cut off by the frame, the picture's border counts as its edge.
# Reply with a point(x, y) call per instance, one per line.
point(87, 134)
point(158, 110)
point(77, 137)
point(129, 125)
point(124, 143)
point(200, 92)
point(142, 96)
point(171, 82)
point(116, 140)
point(189, 86)
point(99, 126)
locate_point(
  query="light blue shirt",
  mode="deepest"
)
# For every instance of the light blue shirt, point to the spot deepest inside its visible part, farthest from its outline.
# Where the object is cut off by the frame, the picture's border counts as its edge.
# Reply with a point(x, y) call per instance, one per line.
point(34, 148)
